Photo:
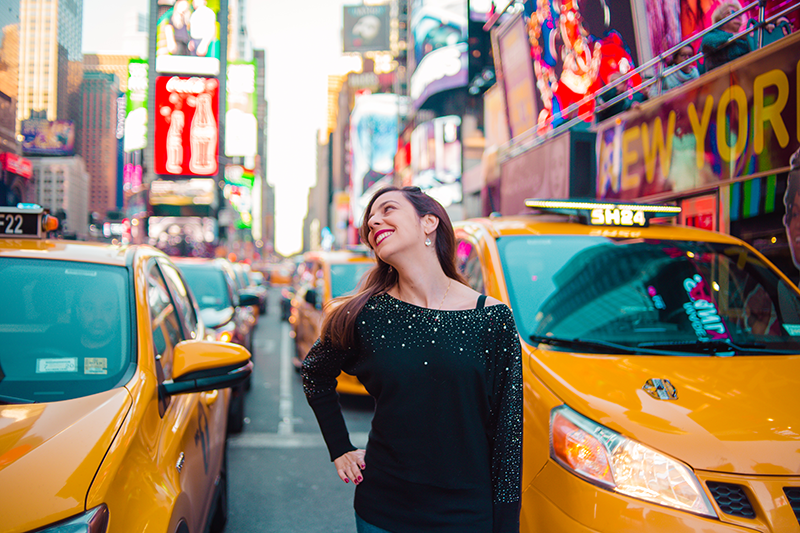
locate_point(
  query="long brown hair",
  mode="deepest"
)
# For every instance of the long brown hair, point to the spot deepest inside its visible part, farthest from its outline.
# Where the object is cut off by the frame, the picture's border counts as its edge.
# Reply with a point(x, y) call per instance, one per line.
point(341, 313)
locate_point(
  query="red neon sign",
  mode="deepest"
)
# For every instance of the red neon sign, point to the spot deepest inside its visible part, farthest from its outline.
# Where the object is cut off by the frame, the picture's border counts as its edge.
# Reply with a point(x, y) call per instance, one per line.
point(187, 126)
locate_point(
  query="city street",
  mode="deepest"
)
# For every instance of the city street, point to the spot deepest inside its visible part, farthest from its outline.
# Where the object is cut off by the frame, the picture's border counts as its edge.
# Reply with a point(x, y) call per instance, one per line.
point(281, 478)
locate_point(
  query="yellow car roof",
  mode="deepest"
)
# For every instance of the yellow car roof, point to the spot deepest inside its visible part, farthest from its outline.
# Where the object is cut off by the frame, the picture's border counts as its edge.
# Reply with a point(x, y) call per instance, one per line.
point(562, 225)
point(62, 250)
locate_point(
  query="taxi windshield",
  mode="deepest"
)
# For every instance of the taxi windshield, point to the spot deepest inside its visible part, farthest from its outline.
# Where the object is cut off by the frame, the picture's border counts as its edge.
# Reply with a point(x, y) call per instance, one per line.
point(208, 285)
point(65, 329)
point(646, 293)
point(345, 277)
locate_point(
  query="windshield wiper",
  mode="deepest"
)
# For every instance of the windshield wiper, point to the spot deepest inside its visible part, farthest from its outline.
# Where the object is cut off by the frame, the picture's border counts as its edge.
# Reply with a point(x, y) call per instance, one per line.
point(6, 400)
point(598, 344)
point(717, 346)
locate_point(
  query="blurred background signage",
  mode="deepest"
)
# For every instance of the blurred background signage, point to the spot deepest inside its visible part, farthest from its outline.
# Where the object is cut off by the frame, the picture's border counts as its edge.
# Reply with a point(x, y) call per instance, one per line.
point(186, 129)
point(195, 191)
point(136, 106)
point(44, 137)
point(366, 28)
point(241, 125)
point(188, 38)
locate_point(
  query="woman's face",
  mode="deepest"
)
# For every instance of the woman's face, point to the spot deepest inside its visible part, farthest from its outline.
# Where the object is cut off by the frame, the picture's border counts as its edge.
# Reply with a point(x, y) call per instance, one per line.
point(394, 225)
point(732, 26)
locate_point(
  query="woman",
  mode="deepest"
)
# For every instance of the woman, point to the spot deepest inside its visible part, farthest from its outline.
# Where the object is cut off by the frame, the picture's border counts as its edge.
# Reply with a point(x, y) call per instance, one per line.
point(685, 73)
point(443, 364)
point(715, 50)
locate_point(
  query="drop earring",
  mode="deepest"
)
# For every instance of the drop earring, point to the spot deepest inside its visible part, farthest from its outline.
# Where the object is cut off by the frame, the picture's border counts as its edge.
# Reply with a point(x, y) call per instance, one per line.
point(428, 241)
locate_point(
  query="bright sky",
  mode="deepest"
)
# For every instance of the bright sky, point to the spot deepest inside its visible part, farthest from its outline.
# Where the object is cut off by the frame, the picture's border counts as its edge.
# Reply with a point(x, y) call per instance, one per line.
point(303, 45)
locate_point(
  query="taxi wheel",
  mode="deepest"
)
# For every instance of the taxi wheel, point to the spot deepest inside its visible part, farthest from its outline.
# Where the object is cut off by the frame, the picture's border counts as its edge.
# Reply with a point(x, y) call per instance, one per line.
point(220, 517)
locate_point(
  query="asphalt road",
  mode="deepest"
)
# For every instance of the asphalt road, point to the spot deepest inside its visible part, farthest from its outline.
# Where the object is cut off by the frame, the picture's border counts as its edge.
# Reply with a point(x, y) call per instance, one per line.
point(281, 478)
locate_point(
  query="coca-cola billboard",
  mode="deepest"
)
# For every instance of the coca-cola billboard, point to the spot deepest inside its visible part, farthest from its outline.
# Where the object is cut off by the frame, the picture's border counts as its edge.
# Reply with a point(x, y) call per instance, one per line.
point(187, 126)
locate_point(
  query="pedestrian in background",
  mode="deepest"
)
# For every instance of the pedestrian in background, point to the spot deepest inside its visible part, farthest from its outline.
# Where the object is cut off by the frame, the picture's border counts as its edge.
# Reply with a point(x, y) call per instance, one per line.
point(685, 73)
point(715, 50)
point(443, 365)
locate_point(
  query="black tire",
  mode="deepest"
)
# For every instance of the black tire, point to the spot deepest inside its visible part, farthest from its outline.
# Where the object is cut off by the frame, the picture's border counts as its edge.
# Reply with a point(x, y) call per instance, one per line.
point(236, 410)
point(220, 516)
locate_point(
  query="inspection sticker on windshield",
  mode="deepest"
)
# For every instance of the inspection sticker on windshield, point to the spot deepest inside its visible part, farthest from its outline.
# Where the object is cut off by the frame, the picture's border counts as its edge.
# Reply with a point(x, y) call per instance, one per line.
point(792, 329)
point(63, 364)
point(97, 366)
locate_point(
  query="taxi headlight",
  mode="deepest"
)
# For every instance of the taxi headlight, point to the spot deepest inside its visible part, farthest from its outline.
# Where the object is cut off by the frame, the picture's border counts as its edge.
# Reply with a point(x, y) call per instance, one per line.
point(92, 521)
point(622, 465)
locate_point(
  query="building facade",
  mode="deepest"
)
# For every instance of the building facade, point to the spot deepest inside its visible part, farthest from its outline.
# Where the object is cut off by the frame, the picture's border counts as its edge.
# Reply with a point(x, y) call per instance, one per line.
point(116, 64)
point(61, 184)
point(50, 58)
point(97, 140)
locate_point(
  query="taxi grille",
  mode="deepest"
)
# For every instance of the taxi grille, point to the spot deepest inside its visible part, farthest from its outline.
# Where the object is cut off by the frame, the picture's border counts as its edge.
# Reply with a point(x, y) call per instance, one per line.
point(731, 499)
point(793, 494)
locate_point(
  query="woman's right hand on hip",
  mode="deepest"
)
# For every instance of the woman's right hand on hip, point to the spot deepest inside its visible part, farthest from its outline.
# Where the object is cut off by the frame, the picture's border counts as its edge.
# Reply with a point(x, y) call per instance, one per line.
point(350, 465)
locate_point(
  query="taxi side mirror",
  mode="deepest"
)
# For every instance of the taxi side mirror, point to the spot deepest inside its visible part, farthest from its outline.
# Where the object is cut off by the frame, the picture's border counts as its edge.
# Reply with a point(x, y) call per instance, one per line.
point(199, 366)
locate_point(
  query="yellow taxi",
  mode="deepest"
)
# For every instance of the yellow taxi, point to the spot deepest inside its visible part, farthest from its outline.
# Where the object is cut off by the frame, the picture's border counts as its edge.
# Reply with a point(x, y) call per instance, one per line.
point(325, 276)
point(113, 406)
point(661, 367)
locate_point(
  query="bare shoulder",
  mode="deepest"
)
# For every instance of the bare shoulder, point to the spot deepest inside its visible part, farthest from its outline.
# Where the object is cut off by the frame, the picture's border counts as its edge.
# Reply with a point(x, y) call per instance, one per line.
point(468, 298)
point(492, 301)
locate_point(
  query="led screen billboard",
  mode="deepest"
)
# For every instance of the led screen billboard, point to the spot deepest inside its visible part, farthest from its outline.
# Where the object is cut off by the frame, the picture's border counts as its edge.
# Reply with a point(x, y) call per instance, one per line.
point(195, 191)
point(438, 57)
point(136, 106)
point(186, 129)
point(373, 144)
point(44, 137)
point(436, 158)
point(187, 39)
point(366, 28)
point(241, 124)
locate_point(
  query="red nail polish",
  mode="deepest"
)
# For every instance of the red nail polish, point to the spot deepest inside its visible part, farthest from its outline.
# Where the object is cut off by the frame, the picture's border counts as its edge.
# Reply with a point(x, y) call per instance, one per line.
point(347, 481)
point(359, 478)
point(363, 467)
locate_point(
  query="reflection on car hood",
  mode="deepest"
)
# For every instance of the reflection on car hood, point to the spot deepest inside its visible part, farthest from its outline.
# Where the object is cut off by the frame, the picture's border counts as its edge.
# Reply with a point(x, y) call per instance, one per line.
point(733, 414)
point(214, 318)
point(49, 454)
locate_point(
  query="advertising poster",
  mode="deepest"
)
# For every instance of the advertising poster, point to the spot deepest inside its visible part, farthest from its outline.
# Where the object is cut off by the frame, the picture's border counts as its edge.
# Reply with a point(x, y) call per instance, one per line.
point(44, 137)
point(577, 51)
point(241, 124)
point(195, 191)
point(135, 128)
point(238, 190)
point(482, 10)
point(373, 141)
point(438, 49)
point(732, 124)
point(516, 69)
point(366, 28)
point(436, 158)
point(186, 129)
point(187, 40)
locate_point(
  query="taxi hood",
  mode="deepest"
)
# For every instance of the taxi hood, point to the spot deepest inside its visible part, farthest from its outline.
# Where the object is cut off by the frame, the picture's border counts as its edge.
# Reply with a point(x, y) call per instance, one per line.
point(732, 414)
point(50, 452)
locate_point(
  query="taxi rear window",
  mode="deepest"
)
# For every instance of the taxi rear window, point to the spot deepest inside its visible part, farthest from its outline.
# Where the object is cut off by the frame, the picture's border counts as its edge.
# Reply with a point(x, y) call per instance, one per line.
point(648, 293)
point(346, 277)
point(65, 329)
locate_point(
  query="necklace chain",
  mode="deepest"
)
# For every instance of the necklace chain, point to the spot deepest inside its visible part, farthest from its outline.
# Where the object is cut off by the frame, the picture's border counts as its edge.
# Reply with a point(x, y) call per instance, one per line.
point(445, 294)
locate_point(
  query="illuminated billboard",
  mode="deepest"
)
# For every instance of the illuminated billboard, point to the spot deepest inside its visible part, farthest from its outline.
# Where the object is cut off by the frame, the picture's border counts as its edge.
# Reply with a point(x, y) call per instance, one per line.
point(241, 125)
point(186, 128)
point(136, 106)
point(187, 39)
point(195, 191)
point(238, 190)
point(44, 137)
point(438, 57)
point(436, 158)
point(373, 144)
point(366, 28)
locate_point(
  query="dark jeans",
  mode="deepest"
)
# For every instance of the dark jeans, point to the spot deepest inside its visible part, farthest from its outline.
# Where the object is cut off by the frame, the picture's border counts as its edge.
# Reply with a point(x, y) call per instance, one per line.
point(363, 527)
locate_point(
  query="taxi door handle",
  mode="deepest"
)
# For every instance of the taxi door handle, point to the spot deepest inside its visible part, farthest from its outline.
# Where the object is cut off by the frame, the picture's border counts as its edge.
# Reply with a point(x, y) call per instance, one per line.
point(210, 397)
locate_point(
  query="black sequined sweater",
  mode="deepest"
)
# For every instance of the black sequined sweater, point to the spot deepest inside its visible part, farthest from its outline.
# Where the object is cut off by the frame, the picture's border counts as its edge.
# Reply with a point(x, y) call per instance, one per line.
point(445, 448)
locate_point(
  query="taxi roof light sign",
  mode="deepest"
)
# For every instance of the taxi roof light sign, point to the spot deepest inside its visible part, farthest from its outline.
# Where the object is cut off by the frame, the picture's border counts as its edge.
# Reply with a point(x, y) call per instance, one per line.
point(26, 221)
point(606, 213)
